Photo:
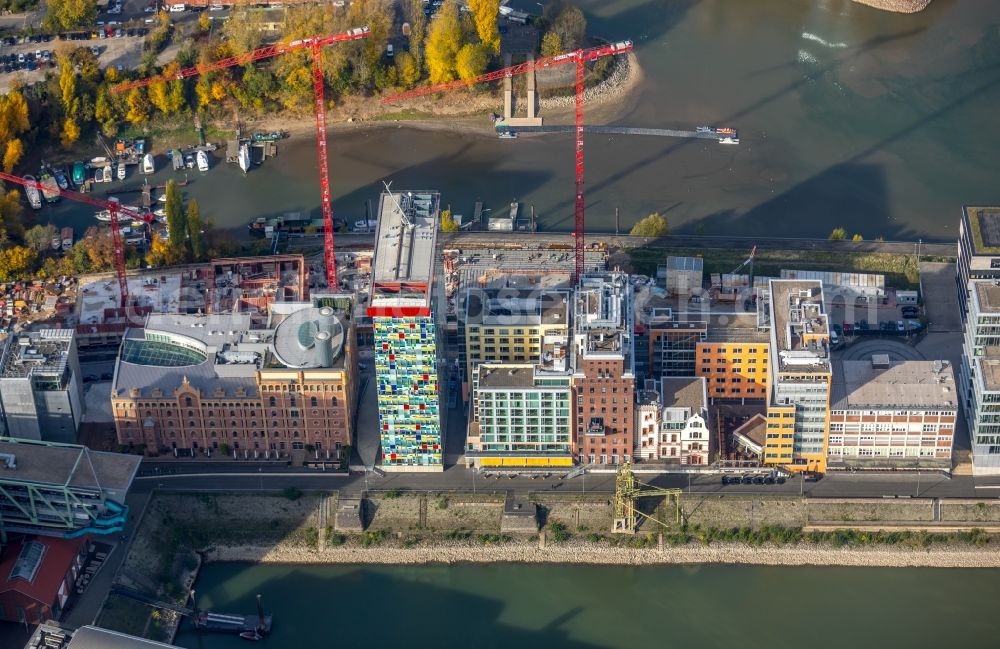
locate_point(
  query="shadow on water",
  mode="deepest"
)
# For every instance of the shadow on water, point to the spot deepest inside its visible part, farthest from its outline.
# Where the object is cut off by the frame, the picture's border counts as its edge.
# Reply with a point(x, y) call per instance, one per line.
point(414, 614)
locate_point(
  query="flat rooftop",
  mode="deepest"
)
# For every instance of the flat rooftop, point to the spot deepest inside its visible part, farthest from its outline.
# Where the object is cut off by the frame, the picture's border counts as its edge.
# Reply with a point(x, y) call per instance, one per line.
point(405, 244)
point(67, 464)
point(506, 376)
point(43, 352)
point(984, 226)
point(516, 307)
point(893, 385)
point(990, 371)
point(799, 326)
point(735, 327)
point(160, 290)
point(602, 315)
point(987, 296)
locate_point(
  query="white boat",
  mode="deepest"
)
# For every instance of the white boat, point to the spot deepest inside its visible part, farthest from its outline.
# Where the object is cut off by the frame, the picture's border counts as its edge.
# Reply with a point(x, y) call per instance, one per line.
point(160, 212)
point(56, 242)
point(34, 197)
point(729, 140)
point(98, 175)
point(189, 161)
point(121, 171)
point(148, 166)
point(99, 161)
point(202, 158)
point(705, 129)
point(162, 198)
point(244, 157)
point(107, 173)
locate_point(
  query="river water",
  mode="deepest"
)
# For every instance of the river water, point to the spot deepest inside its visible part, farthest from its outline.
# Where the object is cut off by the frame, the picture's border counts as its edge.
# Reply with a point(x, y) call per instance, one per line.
point(881, 123)
point(590, 607)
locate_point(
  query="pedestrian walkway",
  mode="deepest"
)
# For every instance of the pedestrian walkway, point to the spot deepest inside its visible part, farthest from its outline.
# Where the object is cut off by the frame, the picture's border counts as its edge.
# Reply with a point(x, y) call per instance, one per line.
point(88, 604)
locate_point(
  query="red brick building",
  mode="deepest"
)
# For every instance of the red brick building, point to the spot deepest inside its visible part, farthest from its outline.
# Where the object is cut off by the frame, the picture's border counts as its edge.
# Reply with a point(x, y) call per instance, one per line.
point(604, 370)
point(36, 577)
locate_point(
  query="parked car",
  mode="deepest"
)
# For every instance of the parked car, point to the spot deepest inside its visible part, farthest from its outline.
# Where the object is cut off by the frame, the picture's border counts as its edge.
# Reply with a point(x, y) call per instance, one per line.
point(910, 311)
point(848, 328)
point(900, 327)
point(834, 337)
point(812, 476)
point(862, 325)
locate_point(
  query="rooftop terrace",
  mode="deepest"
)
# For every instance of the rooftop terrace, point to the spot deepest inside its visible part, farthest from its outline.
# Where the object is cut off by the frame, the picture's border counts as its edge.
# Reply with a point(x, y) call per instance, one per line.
point(404, 248)
point(44, 352)
point(516, 307)
point(799, 328)
point(987, 296)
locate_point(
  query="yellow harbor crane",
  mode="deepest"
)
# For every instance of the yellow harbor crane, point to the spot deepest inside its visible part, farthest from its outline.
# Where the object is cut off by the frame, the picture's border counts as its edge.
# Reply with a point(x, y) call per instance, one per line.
point(627, 491)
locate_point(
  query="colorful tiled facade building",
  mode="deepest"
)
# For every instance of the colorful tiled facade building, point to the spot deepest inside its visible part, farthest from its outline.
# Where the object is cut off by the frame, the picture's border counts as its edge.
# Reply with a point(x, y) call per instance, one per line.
point(405, 334)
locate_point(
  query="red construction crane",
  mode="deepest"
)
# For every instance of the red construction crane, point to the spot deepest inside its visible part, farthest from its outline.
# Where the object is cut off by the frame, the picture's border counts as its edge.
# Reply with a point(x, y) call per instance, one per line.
point(113, 207)
point(314, 44)
point(580, 58)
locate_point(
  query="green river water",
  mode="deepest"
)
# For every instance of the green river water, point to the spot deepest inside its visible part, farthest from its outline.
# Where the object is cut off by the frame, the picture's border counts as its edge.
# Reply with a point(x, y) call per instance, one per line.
point(590, 607)
point(848, 116)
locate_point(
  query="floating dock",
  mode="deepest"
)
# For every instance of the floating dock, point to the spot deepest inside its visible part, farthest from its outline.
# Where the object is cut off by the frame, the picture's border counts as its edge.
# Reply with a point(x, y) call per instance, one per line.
point(714, 134)
point(228, 623)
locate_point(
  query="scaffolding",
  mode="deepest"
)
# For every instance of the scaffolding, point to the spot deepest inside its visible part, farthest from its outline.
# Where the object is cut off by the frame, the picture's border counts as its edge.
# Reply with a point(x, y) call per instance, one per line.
point(627, 491)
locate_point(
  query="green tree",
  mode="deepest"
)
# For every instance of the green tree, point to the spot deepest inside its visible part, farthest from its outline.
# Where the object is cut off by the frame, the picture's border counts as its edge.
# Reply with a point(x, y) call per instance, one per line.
point(484, 16)
point(68, 14)
point(448, 224)
point(195, 228)
point(40, 237)
point(838, 234)
point(470, 61)
point(654, 225)
point(551, 44)
point(176, 223)
point(444, 38)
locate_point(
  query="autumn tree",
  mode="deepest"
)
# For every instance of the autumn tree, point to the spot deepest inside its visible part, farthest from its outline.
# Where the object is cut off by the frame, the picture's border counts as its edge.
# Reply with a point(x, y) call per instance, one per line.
point(196, 234)
point(96, 250)
point(569, 23)
point(838, 234)
point(176, 223)
point(160, 253)
point(551, 44)
point(204, 22)
point(407, 70)
point(70, 133)
point(448, 224)
point(484, 16)
point(67, 87)
point(138, 106)
point(16, 262)
point(10, 215)
point(470, 61)
point(12, 154)
point(444, 38)
point(68, 14)
point(654, 225)
point(40, 237)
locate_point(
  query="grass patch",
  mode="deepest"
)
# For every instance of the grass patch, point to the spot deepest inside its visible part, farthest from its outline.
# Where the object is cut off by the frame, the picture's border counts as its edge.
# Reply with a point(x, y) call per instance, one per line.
point(292, 493)
point(393, 494)
point(559, 533)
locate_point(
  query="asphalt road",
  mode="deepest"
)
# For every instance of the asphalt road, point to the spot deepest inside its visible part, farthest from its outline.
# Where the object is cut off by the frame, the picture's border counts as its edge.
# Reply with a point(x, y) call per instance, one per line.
point(240, 477)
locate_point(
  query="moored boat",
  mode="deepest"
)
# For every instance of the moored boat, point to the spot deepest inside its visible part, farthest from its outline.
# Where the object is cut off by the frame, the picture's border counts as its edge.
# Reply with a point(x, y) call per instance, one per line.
point(121, 170)
point(202, 159)
point(56, 242)
point(34, 197)
point(79, 173)
point(61, 179)
point(244, 157)
point(99, 175)
point(107, 173)
point(50, 188)
point(148, 164)
point(67, 239)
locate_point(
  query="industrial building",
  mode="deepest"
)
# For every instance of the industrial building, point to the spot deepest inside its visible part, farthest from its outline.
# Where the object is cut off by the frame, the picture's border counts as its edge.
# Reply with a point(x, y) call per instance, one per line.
point(603, 364)
point(978, 249)
point(405, 332)
point(892, 413)
point(800, 375)
point(522, 415)
point(682, 277)
point(673, 342)
point(980, 375)
point(512, 325)
point(193, 384)
point(62, 490)
point(846, 287)
point(41, 388)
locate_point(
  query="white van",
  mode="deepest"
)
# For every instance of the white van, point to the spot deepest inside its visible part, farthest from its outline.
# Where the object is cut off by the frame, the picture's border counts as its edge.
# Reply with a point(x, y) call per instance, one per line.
point(176, 8)
point(389, 51)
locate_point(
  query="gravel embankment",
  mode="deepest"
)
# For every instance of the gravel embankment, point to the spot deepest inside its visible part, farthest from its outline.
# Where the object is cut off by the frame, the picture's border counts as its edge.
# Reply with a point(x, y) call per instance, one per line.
point(589, 553)
point(898, 6)
point(614, 86)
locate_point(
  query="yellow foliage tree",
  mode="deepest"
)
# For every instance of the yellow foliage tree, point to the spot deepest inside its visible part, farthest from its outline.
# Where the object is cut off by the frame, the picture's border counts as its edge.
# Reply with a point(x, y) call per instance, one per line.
point(218, 91)
point(13, 115)
point(204, 22)
point(407, 69)
point(67, 87)
point(551, 44)
point(15, 261)
point(160, 253)
point(484, 15)
point(138, 106)
point(654, 225)
point(470, 61)
point(448, 224)
point(70, 133)
point(444, 38)
point(12, 154)
point(203, 90)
